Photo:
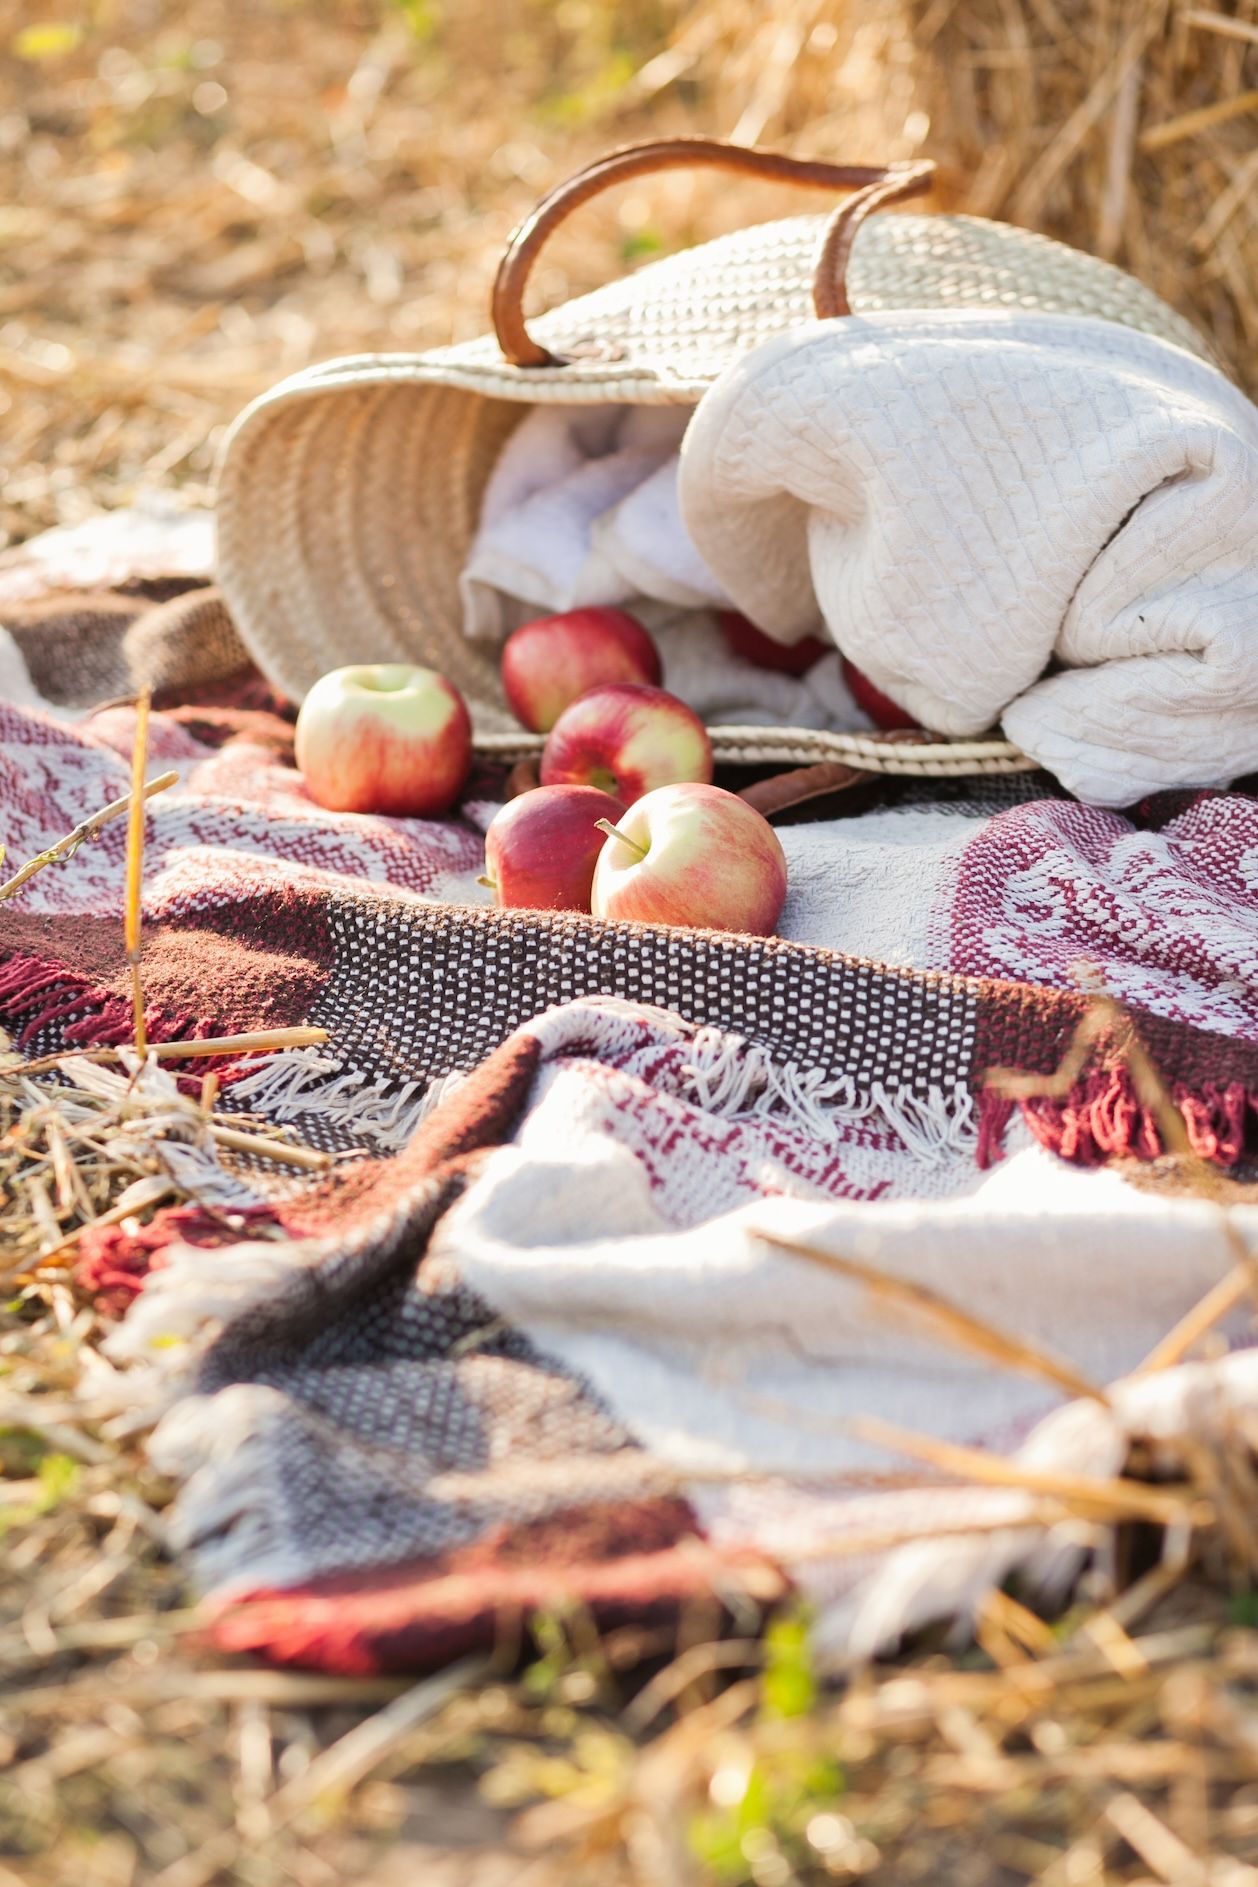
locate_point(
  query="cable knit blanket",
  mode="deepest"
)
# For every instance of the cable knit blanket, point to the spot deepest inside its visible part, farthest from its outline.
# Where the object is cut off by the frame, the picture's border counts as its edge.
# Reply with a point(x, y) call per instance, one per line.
point(632, 1235)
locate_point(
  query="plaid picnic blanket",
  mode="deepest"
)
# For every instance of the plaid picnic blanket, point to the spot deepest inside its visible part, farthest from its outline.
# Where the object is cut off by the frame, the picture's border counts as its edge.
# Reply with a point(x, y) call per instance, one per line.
point(631, 1233)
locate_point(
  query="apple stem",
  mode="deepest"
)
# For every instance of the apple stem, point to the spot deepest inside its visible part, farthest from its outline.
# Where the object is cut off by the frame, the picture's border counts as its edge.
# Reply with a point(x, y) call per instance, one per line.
point(614, 832)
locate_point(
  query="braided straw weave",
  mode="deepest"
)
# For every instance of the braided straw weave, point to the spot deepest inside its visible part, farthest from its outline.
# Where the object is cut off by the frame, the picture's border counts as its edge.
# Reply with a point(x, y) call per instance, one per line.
point(923, 755)
point(349, 495)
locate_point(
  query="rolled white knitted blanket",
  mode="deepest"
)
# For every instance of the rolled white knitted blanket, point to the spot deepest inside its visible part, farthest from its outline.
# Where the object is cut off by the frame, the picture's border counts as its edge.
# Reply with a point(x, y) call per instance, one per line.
point(1035, 519)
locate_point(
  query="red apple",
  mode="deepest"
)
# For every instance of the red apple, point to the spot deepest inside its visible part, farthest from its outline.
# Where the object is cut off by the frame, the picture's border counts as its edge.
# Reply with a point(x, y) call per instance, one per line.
point(541, 848)
point(384, 737)
point(692, 854)
point(785, 658)
point(626, 740)
point(550, 663)
point(881, 709)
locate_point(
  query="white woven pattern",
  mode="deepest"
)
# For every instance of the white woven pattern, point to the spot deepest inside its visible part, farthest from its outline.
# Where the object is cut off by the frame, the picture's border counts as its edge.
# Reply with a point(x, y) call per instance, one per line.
point(964, 498)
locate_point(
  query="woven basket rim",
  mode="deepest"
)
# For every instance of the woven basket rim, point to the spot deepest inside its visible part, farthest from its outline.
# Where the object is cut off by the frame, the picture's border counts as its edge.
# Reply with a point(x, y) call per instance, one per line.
point(470, 367)
point(574, 384)
point(935, 757)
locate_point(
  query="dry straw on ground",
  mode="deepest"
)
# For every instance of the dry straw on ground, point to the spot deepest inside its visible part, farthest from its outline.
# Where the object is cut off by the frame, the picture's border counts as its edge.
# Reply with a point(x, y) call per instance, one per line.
point(84, 1145)
point(197, 196)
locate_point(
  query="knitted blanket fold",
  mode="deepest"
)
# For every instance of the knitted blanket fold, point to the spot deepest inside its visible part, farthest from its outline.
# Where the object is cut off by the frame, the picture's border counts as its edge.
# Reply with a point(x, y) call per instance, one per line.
point(963, 498)
point(633, 1235)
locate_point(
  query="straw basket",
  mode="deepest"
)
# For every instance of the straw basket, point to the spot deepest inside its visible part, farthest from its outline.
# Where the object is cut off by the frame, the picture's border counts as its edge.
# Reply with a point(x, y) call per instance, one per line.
point(349, 495)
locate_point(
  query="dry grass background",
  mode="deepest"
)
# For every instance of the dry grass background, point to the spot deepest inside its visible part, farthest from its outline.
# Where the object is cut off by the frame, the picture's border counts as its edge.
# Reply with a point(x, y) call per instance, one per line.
point(199, 197)
point(196, 198)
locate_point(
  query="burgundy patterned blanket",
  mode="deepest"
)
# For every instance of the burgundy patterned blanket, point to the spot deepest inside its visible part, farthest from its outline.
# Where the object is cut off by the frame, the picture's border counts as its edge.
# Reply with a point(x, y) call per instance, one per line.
point(545, 1331)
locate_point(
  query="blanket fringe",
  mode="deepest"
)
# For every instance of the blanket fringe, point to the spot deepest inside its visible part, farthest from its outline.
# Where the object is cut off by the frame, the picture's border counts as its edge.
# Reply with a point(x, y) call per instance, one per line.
point(995, 1111)
point(217, 1447)
point(115, 1261)
point(308, 1083)
point(1103, 1118)
point(197, 1290)
point(733, 1078)
point(36, 992)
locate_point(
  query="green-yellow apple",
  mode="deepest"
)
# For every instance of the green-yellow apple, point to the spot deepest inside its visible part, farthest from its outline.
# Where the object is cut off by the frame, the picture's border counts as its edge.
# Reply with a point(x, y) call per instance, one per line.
point(551, 662)
point(541, 847)
point(692, 854)
point(384, 737)
point(626, 739)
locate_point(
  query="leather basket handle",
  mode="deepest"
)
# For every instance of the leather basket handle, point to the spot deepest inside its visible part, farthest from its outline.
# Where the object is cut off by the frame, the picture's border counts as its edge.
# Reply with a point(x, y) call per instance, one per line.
point(875, 186)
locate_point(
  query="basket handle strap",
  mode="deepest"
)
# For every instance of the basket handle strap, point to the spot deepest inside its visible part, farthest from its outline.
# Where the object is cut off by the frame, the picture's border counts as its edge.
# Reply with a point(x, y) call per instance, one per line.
point(875, 185)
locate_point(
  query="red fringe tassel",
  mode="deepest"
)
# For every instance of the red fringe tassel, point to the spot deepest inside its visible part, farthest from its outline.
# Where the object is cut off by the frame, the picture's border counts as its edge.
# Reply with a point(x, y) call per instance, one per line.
point(115, 1260)
point(1103, 1119)
point(36, 992)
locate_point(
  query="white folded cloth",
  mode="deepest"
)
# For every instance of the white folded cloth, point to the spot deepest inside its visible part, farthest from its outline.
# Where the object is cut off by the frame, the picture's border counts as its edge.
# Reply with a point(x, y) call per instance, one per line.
point(581, 508)
point(1038, 520)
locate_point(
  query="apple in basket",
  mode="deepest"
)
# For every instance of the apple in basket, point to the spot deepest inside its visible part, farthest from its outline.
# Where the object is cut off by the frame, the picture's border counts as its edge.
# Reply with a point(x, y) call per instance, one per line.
point(784, 658)
point(692, 854)
point(384, 737)
point(541, 848)
point(551, 662)
point(626, 739)
point(881, 709)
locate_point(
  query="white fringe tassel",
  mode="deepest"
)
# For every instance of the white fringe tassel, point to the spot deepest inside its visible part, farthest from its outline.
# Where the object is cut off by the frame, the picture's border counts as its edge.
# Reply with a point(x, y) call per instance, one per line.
point(221, 1449)
point(736, 1079)
point(308, 1082)
point(196, 1291)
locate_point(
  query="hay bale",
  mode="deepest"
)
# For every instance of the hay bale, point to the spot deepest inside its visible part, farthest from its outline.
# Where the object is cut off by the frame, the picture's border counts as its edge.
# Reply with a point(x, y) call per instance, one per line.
point(1129, 129)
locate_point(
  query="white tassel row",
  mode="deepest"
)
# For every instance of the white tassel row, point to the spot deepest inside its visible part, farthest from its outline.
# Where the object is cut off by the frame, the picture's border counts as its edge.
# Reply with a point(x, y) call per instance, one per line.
point(311, 1083)
point(731, 1077)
